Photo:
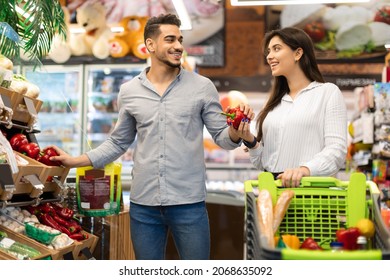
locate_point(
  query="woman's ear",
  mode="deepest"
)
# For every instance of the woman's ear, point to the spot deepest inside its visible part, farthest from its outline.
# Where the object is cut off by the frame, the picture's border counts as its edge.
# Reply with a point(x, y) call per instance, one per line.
point(298, 54)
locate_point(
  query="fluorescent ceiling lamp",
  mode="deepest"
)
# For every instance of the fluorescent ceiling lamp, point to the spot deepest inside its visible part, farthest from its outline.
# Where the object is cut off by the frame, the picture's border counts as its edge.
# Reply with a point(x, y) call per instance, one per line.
point(182, 13)
point(289, 2)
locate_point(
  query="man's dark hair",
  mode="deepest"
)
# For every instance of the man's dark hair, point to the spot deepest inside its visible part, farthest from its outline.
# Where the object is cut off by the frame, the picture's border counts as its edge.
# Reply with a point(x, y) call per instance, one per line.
point(152, 27)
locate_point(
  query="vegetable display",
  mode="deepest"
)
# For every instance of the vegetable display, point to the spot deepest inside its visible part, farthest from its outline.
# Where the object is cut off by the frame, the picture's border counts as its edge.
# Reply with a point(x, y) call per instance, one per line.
point(17, 249)
point(60, 218)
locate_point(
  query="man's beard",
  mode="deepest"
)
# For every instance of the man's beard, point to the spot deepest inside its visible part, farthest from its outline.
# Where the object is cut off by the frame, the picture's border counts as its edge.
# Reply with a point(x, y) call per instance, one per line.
point(170, 64)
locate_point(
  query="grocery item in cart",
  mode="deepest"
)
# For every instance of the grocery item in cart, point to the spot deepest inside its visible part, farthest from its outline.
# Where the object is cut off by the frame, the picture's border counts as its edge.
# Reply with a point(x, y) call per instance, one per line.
point(320, 206)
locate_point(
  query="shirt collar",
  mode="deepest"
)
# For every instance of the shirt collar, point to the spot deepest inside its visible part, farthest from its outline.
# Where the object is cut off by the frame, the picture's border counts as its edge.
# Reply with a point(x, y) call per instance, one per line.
point(312, 85)
point(143, 77)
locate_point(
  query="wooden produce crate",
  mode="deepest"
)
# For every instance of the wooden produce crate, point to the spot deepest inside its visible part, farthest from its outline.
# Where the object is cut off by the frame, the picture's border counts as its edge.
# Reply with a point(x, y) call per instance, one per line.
point(25, 109)
point(56, 254)
point(59, 172)
point(46, 252)
point(46, 175)
point(6, 114)
point(32, 168)
point(89, 244)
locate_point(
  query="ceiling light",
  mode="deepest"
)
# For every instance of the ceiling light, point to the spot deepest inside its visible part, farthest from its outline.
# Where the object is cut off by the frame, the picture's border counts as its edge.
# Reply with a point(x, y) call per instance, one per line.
point(182, 13)
point(289, 2)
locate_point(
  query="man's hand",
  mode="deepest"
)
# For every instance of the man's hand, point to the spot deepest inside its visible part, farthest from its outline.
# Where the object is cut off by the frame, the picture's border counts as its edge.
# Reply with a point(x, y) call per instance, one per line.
point(69, 161)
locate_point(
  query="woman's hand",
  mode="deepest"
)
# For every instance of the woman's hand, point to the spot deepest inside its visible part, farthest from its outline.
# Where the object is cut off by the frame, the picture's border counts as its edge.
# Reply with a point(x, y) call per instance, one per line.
point(291, 178)
point(243, 131)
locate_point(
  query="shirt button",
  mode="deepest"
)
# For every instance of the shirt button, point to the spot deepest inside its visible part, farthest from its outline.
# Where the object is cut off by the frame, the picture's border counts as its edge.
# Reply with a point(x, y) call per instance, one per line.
point(161, 156)
point(161, 174)
point(161, 119)
point(161, 138)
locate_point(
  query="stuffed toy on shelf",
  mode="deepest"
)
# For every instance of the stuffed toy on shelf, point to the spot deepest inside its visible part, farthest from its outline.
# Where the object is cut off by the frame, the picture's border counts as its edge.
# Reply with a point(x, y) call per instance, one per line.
point(96, 38)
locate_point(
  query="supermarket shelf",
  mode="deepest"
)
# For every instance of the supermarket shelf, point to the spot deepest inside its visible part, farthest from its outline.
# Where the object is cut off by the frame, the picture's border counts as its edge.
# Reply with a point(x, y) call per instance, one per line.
point(102, 115)
point(17, 125)
point(102, 94)
point(227, 166)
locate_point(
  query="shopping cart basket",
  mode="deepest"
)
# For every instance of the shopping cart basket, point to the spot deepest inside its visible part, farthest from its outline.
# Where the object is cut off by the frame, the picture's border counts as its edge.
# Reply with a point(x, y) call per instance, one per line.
point(321, 205)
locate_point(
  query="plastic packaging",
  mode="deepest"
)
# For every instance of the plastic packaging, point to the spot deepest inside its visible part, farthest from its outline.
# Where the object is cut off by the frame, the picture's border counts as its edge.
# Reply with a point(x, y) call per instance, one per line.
point(336, 246)
point(362, 242)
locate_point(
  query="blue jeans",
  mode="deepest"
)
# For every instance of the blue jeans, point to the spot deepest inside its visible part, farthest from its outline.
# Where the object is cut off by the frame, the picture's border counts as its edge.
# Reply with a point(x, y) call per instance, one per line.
point(189, 225)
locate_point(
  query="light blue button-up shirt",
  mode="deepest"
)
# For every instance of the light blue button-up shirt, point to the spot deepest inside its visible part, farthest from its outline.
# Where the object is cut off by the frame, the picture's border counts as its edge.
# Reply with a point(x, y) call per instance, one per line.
point(169, 167)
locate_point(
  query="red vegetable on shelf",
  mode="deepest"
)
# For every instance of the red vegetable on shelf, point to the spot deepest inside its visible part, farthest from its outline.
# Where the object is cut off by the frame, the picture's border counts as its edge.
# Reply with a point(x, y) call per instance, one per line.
point(31, 150)
point(45, 155)
point(48, 220)
point(79, 236)
point(64, 212)
point(18, 140)
point(46, 208)
point(235, 116)
point(69, 225)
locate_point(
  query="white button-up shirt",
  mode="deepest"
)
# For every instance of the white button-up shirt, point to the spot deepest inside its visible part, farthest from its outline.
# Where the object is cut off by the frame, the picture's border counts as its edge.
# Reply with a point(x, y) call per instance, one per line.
point(310, 131)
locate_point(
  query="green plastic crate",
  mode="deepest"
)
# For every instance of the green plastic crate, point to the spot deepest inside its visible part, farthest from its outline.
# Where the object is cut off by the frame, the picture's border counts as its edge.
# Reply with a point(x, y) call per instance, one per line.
point(320, 206)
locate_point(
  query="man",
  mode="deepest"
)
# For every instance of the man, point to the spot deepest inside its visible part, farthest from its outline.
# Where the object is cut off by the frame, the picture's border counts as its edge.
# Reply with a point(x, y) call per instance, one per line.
point(167, 108)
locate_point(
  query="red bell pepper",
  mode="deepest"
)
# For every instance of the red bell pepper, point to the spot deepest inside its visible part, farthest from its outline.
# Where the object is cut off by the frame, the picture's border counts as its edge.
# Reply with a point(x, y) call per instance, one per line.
point(348, 237)
point(79, 236)
point(18, 140)
point(46, 208)
point(235, 116)
point(45, 155)
point(31, 150)
point(69, 225)
point(48, 220)
point(311, 244)
point(34, 210)
point(63, 212)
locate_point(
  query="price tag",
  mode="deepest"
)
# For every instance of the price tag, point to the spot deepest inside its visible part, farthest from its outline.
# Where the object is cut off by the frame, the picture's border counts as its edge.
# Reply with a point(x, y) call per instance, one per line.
point(6, 242)
point(30, 106)
point(5, 101)
point(6, 180)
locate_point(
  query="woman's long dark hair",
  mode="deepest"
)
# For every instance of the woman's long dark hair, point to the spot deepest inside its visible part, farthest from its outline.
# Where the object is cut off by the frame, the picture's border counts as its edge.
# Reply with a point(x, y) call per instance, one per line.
point(294, 38)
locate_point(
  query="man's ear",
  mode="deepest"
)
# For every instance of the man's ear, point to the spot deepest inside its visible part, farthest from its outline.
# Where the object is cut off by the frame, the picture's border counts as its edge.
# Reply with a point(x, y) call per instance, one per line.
point(149, 43)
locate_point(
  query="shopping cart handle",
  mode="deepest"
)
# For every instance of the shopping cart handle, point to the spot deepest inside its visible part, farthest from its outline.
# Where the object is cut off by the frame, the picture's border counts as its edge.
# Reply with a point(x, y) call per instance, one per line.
point(320, 182)
point(316, 182)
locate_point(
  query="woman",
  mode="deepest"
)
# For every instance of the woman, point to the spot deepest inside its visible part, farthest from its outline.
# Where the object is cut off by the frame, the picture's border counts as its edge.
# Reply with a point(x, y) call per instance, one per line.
point(302, 130)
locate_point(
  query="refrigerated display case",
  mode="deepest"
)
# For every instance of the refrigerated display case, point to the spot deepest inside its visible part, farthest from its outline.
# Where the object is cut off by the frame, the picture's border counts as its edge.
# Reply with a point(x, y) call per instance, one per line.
point(80, 105)
point(60, 117)
point(102, 88)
